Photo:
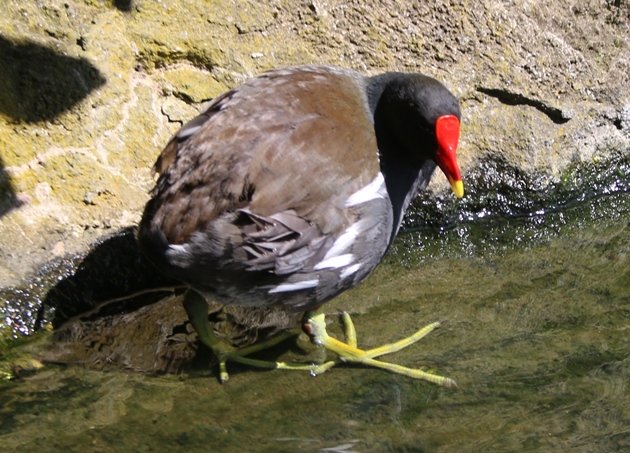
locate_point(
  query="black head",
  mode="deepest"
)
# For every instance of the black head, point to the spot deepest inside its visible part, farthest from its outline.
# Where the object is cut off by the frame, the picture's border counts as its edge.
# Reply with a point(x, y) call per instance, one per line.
point(417, 119)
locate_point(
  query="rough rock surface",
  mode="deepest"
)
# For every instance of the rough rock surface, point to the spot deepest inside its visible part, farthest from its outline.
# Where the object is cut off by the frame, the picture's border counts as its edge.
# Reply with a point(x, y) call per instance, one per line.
point(91, 90)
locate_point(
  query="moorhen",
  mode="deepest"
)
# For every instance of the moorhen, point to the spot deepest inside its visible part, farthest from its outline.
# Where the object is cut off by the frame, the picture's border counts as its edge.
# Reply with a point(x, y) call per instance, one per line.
point(289, 189)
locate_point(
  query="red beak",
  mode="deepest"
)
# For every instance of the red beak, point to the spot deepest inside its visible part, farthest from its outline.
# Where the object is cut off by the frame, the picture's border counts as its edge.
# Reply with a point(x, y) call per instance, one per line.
point(447, 134)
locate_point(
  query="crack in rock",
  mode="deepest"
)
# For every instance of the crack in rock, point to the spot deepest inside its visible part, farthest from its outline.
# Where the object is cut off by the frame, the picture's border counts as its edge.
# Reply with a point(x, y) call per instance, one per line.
point(558, 116)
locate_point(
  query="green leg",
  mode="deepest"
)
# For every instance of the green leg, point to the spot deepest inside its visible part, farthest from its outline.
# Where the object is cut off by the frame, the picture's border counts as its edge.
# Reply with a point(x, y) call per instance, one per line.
point(348, 352)
point(315, 325)
point(197, 310)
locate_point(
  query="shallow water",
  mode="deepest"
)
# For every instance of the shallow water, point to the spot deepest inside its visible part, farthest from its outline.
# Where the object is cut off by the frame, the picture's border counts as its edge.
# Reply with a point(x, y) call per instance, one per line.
point(536, 333)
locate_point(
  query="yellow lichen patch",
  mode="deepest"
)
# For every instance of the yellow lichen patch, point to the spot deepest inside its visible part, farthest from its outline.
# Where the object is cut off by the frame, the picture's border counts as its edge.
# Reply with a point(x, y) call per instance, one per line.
point(134, 145)
point(251, 16)
point(189, 83)
point(177, 111)
point(76, 180)
point(19, 145)
point(200, 41)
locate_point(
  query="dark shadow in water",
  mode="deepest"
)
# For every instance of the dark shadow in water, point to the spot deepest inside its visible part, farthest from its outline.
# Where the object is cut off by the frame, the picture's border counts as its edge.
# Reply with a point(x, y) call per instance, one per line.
point(8, 198)
point(38, 83)
point(114, 269)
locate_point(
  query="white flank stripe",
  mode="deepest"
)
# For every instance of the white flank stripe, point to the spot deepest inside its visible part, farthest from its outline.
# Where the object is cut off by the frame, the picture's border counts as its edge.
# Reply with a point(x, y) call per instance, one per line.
point(286, 287)
point(335, 262)
point(370, 192)
point(344, 241)
point(177, 249)
point(347, 272)
point(185, 133)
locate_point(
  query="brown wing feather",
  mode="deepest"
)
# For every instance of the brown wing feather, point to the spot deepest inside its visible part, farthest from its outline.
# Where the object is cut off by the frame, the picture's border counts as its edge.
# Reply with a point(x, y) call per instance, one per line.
point(236, 189)
point(169, 154)
point(248, 150)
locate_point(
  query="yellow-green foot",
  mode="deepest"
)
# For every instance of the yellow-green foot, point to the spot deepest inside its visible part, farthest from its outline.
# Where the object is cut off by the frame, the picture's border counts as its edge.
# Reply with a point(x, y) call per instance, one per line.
point(197, 310)
point(240, 356)
point(315, 326)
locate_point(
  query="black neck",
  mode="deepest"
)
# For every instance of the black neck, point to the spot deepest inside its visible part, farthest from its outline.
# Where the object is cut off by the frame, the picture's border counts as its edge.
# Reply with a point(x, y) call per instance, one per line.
point(405, 140)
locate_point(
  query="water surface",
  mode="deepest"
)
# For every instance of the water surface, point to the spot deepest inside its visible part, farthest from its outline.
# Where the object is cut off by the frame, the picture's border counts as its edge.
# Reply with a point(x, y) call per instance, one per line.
point(536, 333)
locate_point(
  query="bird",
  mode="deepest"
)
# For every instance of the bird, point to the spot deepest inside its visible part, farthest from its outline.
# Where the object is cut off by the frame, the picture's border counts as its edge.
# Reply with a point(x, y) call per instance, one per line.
point(288, 190)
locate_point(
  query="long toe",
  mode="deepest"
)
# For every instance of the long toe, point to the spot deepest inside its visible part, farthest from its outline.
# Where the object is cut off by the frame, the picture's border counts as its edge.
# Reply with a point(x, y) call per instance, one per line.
point(348, 351)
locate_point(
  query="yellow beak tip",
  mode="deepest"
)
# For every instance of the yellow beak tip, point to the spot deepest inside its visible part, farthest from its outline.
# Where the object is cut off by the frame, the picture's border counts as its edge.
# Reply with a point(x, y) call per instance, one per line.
point(458, 188)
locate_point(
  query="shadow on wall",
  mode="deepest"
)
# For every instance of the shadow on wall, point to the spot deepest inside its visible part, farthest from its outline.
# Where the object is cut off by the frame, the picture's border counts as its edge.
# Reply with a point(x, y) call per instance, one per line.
point(124, 5)
point(38, 84)
point(8, 198)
